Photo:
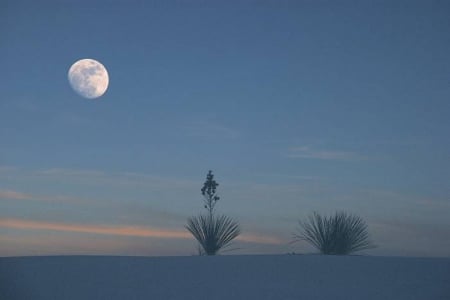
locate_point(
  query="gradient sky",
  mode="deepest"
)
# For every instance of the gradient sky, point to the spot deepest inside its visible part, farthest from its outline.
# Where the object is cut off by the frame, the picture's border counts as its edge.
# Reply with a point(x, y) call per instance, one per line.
point(296, 106)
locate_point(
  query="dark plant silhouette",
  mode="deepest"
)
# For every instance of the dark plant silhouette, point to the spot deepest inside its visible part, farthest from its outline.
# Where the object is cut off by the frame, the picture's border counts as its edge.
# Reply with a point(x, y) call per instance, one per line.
point(212, 232)
point(339, 234)
point(209, 192)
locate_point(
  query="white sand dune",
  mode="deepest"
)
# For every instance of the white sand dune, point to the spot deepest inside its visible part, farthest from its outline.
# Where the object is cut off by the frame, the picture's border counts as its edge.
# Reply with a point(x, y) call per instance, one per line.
point(224, 277)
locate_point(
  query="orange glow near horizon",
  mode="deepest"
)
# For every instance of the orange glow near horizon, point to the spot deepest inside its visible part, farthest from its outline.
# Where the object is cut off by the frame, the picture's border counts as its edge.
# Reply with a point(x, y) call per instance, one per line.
point(94, 229)
point(121, 230)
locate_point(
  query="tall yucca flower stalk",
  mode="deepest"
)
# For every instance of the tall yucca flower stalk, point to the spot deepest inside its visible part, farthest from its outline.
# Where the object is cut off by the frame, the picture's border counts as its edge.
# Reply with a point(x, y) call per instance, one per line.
point(212, 232)
point(339, 234)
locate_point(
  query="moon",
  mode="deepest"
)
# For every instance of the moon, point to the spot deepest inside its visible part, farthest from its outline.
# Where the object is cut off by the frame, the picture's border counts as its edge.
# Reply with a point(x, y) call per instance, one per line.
point(88, 78)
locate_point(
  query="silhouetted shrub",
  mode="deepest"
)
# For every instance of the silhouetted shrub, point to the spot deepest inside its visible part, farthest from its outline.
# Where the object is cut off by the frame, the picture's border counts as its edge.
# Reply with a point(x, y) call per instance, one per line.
point(339, 234)
point(212, 232)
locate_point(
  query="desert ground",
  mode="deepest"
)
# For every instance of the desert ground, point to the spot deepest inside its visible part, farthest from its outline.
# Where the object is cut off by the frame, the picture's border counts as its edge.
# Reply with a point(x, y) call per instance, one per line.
point(317, 277)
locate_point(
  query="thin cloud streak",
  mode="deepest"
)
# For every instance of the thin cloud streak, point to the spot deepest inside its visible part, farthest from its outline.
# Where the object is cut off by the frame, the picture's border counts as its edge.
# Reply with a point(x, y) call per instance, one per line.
point(97, 178)
point(308, 153)
point(136, 231)
point(13, 195)
point(121, 230)
point(210, 130)
point(259, 239)
point(16, 195)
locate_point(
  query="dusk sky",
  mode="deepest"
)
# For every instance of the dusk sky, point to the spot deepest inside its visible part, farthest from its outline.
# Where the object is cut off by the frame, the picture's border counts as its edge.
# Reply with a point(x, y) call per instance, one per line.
point(296, 107)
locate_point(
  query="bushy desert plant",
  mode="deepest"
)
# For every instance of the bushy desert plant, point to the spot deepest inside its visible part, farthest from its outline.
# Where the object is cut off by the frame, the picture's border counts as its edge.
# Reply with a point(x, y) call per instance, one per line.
point(212, 232)
point(339, 234)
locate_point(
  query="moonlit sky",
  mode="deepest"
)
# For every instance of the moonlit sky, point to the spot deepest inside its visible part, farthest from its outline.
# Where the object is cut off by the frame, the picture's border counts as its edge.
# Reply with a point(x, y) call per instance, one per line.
point(296, 106)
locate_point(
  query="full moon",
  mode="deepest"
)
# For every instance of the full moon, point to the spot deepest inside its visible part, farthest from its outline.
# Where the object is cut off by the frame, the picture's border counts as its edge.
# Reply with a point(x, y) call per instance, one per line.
point(88, 78)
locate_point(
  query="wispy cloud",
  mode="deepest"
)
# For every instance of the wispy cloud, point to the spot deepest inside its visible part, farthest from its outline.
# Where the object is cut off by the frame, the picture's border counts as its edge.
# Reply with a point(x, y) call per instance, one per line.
point(116, 178)
point(96, 177)
point(16, 195)
point(121, 230)
point(285, 176)
point(69, 172)
point(208, 130)
point(13, 195)
point(259, 239)
point(399, 237)
point(137, 231)
point(7, 169)
point(309, 153)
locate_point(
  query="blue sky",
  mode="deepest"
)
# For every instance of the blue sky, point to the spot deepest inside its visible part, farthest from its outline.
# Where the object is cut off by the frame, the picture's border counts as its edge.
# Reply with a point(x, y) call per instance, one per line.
point(295, 105)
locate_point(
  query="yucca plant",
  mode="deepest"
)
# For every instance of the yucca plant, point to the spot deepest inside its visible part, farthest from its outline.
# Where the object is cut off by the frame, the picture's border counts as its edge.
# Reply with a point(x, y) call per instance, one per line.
point(339, 234)
point(213, 233)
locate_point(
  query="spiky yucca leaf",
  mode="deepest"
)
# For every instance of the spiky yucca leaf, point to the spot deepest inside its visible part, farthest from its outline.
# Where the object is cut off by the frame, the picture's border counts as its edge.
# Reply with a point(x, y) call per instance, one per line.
point(213, 233)
point(339, 234)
